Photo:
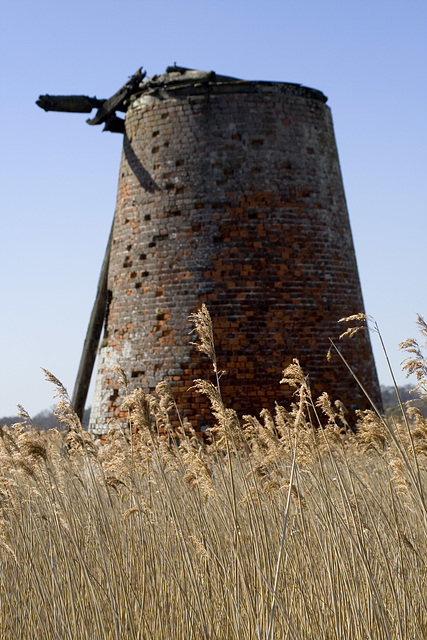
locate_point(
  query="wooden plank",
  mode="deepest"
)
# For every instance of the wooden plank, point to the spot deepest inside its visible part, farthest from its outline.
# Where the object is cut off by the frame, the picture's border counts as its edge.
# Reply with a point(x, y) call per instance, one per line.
point(70, 104)
point(115, 103)
point(93, 335)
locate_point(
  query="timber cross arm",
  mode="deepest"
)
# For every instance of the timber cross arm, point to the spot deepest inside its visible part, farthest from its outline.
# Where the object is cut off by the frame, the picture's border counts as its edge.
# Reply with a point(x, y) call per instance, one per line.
point(106, 109)
point(71, 104)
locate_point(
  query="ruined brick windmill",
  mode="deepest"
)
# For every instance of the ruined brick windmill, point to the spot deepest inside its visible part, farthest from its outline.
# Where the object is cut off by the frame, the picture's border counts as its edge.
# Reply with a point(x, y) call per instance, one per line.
point(230, 194)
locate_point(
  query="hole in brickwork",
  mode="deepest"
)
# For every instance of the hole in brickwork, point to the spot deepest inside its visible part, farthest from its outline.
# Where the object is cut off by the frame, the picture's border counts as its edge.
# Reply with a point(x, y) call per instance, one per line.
point(147, 217)
point(257, 143)
point(228, 171)
point(221, 182)
point(310, 150)
point(179, 163)
point(179, 190)
point(138, 285)
point(127, 263)
point(137, 374)
point(256, 170)
point(216, 165)
point(164, 116)
point(143, 256)
point(220, 205)
point(144, 274)
point(236, 136)
point(155, 150)
point(166, 144)
point(169, 186)
point(129, 247)
point(196, 226)
point(156, 167)
point(133, 274)
point(172, 214)
point(155, 134)
point(252, 216)
point(217, 239)
point(151, 245)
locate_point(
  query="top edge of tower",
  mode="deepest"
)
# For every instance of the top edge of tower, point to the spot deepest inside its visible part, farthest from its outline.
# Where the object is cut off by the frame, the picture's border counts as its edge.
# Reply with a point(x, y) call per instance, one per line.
point(178, 78)
point(176, 81)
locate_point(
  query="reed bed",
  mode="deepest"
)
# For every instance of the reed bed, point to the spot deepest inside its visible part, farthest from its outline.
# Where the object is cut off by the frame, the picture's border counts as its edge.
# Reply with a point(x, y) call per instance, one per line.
point(273, 528)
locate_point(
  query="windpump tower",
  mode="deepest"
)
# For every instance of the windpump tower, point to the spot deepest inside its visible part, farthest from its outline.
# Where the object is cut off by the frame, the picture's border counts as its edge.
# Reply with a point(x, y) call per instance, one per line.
point(230, 194)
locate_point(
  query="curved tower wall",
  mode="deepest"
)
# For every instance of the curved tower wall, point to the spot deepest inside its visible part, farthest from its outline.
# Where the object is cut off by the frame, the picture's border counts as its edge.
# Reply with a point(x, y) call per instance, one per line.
point(230, 194)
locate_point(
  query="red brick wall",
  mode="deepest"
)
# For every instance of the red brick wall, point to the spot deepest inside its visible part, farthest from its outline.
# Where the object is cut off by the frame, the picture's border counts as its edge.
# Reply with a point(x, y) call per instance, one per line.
point(231, 194)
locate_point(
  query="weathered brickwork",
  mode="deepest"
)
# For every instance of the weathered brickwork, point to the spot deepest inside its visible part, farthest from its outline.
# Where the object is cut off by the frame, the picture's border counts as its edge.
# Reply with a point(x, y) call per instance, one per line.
point(230, 194)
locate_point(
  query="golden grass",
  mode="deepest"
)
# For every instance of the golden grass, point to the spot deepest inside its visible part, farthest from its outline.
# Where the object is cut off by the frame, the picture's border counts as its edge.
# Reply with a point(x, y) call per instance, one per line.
point(273, 529)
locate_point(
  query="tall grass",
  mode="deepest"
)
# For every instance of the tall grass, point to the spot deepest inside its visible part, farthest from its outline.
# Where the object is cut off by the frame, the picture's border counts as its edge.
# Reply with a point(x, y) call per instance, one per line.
point(275, 528)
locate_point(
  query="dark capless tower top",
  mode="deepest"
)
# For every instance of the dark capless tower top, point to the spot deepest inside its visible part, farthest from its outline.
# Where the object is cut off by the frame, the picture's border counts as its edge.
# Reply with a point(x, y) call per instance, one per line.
point(174, 78)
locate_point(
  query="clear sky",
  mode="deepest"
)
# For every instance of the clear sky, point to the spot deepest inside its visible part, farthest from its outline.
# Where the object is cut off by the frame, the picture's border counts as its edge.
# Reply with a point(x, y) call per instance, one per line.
point(59, 176)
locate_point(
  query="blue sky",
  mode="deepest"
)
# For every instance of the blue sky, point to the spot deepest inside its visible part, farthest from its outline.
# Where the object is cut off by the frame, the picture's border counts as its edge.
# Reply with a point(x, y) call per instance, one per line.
point(59, 176)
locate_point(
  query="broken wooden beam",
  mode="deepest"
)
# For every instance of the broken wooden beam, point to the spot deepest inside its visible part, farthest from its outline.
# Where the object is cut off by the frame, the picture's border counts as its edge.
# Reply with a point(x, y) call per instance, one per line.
point(70, 104)
point(117, 101)
point(93, 335)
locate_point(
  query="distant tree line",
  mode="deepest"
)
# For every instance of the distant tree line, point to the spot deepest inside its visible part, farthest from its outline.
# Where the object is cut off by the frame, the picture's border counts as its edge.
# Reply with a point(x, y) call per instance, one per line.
point(391, 401)
point(43, 420)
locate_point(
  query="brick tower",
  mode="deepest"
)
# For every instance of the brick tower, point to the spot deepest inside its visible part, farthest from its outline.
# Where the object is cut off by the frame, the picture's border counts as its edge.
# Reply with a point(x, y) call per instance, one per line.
point(230, 194)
